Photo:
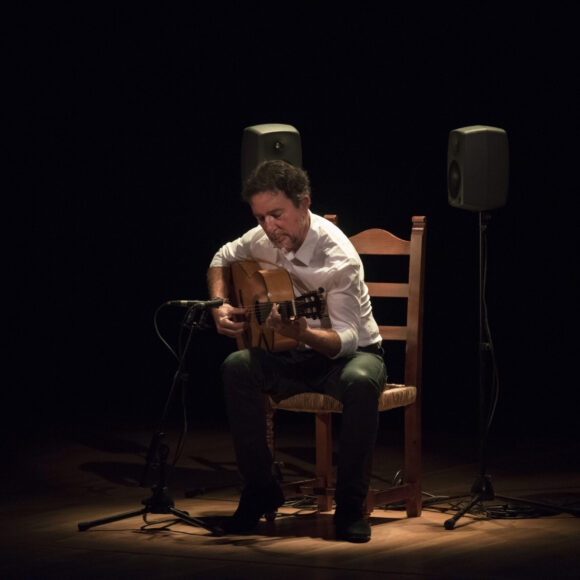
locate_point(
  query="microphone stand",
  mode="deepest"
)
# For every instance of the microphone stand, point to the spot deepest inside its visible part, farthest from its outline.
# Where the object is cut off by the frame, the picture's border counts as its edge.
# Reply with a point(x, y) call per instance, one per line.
point(160, 502)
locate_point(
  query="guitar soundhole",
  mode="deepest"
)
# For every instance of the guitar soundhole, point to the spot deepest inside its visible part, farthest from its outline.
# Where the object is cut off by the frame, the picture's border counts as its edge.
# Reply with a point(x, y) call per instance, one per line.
point(309, 305)
point(262, 310)
point(285, 309)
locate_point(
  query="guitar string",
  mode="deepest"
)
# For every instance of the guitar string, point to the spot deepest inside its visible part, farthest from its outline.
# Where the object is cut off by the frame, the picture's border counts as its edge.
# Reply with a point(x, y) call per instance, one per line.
point(262, 306)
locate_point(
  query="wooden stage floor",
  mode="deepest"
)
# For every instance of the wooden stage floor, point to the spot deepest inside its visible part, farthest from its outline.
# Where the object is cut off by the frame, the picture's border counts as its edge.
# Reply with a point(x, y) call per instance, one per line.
point(57, 481)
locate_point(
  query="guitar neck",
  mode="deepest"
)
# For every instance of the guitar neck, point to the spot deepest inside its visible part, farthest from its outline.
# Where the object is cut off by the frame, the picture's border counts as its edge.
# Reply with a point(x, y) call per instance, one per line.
point(308, 306)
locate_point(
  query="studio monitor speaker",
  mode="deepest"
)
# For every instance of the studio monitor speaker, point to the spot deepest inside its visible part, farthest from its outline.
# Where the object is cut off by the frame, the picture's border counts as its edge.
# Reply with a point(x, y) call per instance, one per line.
point(267, 142)
point(477, 168)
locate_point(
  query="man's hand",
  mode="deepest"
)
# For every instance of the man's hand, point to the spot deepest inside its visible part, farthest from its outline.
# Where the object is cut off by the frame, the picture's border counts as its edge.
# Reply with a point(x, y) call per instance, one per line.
point(229, 320)
point(290, 328)
point(324, 340)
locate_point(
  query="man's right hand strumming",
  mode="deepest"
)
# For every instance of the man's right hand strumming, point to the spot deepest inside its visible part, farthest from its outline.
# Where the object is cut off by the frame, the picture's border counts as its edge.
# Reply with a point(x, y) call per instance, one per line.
point(230, 320)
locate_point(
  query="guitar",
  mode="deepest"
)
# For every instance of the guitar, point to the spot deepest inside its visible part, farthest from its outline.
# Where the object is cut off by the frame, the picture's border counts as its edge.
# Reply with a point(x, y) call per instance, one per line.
point(257, 290)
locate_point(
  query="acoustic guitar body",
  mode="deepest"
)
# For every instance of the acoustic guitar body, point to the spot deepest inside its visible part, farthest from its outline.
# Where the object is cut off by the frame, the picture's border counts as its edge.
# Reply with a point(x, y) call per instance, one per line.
point(256, 290)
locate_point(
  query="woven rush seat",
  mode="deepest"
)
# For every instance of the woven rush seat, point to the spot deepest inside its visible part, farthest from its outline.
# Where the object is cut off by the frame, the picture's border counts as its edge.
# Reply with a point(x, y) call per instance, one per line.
point(392, 397)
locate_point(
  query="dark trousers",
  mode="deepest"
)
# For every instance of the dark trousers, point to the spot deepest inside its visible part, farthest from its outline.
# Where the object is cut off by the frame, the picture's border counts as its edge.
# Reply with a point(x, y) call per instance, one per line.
point(356, 380)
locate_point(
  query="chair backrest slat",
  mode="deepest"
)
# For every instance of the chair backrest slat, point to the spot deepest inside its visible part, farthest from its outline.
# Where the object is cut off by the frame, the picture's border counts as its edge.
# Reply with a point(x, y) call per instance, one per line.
point(388, 289)
point(393, 332)
point(380, 242)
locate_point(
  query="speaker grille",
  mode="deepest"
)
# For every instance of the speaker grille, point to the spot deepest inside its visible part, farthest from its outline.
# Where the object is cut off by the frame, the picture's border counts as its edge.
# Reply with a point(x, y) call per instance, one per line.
point(454, 180)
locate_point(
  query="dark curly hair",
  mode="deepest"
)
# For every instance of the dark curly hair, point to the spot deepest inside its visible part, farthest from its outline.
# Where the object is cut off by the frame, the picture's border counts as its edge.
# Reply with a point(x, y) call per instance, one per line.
point(277, 175)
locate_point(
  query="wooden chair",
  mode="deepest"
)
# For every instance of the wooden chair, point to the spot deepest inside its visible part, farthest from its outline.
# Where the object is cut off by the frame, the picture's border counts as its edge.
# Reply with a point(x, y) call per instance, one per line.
point(407, 395)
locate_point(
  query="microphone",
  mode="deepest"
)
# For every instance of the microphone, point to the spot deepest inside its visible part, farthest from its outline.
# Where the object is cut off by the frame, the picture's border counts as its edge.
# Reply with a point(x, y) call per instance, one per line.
point(197, 303)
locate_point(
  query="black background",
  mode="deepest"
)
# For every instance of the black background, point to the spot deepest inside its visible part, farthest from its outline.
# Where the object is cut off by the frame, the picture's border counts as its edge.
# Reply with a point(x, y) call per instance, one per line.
point(127, 124)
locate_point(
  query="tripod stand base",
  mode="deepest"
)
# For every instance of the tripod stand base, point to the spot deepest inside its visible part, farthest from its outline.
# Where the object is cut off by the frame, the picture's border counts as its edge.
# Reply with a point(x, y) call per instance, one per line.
point(158, 503)
point(82, 526)
point(481, 490)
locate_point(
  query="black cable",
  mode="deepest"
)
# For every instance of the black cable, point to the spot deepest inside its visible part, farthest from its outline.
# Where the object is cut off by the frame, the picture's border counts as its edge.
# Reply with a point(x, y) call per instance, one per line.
point(495, 382)
point(158, 332)
point(516, 512)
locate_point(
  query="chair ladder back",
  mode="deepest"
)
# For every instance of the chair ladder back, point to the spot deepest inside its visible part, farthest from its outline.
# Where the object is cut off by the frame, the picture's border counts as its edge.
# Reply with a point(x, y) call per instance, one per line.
point(381, 242)
point(377, 242)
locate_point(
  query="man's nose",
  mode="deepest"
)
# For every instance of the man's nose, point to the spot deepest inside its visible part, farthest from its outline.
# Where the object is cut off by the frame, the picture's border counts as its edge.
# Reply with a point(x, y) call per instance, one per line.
point(269, 223)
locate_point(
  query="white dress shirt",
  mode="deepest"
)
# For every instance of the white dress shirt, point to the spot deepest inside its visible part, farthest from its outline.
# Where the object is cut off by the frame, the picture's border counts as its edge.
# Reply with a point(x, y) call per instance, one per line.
point(326, 259)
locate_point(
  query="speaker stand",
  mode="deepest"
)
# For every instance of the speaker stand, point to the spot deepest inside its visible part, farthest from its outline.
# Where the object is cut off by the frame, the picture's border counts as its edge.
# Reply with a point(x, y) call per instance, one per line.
point(482, 488)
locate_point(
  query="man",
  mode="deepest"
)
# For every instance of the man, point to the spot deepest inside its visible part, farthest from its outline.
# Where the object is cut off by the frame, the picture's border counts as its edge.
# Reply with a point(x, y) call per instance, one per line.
point(340, 355)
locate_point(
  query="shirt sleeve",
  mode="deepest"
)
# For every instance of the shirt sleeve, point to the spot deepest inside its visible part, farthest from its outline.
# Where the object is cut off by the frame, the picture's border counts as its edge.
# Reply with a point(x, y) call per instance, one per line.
point(344, 299)
point(236, 250)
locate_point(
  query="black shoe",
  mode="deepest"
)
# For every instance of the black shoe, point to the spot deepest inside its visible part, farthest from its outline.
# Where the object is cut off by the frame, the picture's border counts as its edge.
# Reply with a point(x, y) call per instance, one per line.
point(351, 527)
point(254, 503)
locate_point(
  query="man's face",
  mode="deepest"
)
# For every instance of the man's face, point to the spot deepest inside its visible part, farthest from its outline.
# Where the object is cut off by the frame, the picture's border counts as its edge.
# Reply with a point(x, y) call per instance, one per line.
point(285, 224)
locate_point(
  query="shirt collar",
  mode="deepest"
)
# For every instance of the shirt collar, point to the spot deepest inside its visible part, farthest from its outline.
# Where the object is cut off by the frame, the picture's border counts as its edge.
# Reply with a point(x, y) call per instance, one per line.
point(306, 250)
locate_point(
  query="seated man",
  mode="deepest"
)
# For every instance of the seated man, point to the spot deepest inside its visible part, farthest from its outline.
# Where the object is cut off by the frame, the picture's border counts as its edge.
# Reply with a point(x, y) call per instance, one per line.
point(339, 355)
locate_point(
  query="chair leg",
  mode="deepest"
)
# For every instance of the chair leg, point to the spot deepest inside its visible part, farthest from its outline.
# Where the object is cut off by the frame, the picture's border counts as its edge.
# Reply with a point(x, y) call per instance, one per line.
point(324, 474)
point(413, 458)
point(369, 504)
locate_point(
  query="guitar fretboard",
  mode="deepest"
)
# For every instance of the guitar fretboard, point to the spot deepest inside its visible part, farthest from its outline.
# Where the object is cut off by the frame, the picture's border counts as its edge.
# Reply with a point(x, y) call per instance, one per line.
point(308, 305)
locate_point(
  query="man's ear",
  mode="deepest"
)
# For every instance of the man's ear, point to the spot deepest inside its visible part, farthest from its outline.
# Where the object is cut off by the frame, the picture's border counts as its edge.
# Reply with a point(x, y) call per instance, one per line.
point(305, 202)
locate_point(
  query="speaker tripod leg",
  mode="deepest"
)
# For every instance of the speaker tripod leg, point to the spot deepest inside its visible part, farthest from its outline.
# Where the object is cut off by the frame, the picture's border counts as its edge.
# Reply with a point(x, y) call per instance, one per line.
point(82, 526)
point(481, 490)
point(450, 523)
